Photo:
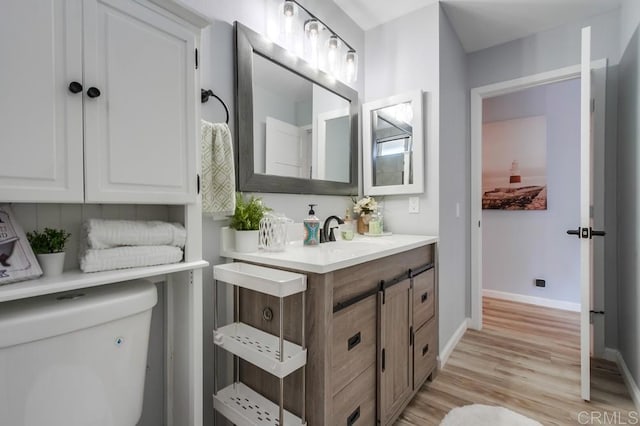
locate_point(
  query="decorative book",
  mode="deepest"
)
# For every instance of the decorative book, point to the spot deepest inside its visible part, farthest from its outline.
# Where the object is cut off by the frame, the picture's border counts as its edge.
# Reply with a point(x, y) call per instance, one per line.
point(17, 261)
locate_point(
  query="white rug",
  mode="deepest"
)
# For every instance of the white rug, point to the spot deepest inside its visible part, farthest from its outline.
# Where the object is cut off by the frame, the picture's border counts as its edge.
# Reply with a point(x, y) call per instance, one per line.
point(485, 415)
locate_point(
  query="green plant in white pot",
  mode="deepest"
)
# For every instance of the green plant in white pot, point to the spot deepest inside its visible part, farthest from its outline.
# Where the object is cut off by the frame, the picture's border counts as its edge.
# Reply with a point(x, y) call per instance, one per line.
point(48, 246)
point(246, 222)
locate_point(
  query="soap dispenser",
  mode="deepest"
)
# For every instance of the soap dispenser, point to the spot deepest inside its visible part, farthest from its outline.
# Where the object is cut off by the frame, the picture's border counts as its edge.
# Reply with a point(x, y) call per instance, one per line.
point(311, 228)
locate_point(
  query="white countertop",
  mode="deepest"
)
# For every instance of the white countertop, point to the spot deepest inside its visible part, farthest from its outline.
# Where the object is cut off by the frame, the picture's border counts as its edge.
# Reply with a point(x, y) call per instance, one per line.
point(333, 255)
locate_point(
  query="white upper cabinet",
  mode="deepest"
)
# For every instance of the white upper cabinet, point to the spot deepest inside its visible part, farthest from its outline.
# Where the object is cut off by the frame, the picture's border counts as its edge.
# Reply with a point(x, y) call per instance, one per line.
point(40, 119)
point(139, 133)
point(129, 135)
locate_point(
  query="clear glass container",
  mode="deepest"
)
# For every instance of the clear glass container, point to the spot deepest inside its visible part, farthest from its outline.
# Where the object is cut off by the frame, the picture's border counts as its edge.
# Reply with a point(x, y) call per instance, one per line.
point(273, 231)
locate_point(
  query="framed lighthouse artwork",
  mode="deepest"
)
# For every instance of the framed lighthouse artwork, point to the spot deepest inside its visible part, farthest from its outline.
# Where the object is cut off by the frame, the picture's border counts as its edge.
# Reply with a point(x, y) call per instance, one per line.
point(514, 164)
point(17, 261)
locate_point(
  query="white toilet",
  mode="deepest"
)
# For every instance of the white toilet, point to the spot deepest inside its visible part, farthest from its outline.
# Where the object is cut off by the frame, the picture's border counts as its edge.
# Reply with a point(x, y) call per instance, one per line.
point(76, 358)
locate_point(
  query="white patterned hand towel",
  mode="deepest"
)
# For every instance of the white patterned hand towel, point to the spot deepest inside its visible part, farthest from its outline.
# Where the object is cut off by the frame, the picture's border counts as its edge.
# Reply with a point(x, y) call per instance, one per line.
point(218, 170)
point(103, 234)
point(128, 257)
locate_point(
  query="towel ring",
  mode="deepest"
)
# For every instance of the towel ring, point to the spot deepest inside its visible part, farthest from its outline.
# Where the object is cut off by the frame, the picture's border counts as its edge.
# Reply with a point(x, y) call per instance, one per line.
point(204, 97)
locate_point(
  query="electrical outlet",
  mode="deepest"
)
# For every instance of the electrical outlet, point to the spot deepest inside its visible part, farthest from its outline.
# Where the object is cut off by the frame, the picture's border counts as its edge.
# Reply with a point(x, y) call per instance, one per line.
point(414, 205)
point(540, 283)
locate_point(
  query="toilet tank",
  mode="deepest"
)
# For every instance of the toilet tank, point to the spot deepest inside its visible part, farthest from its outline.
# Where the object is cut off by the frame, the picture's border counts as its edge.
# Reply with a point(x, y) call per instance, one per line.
point(76, 358)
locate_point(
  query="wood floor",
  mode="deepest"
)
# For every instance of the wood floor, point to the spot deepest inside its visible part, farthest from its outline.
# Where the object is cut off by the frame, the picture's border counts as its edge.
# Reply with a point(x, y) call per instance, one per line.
point(526, 358)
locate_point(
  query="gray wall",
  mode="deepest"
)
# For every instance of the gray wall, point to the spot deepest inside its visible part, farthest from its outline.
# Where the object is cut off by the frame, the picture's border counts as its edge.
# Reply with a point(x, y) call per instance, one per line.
point(402, 56)
point(551, 50)
point(628, 178)
point(218, 75)
point(454, 274)
point(520, 246)
point(544, 51)
point(421, 51)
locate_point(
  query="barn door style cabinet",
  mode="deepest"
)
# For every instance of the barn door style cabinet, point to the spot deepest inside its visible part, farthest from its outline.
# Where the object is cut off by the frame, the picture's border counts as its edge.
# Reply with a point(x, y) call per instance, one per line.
point(395, 346)
point(407, 337)
point(98, 102)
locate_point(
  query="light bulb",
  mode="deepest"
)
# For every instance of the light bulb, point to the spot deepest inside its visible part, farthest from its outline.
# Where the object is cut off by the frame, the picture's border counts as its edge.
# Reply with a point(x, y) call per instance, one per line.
point(289, 8)
point(289, 12)
point(333, 48)
point(351, 66)
point(312, 29)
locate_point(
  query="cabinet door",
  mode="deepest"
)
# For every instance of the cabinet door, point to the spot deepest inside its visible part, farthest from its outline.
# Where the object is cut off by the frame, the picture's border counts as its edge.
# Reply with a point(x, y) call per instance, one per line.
point(395, 367)
point(140, 132)
point(40, 119)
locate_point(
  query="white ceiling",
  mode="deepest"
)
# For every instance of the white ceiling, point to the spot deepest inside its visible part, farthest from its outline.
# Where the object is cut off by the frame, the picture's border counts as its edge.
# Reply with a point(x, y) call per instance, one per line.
point(482, 23)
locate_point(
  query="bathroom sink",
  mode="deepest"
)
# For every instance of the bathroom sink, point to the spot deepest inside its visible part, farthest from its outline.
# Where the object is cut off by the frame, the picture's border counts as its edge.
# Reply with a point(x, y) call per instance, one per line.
point(332, 255)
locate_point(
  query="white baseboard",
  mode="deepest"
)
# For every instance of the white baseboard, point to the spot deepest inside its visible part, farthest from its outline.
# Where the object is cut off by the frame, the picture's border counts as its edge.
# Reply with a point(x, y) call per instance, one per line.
point(451, 344)
point(610, 354)
point(532, 300)
point(632, 386)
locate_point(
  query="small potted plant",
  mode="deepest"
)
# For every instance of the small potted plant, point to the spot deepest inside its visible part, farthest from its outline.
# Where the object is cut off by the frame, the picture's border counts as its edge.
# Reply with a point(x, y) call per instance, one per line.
point(246, 222)
point(48, 246)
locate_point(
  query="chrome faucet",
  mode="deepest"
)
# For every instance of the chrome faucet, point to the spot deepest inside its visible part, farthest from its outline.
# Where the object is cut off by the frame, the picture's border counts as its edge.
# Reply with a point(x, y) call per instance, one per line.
point(326, 234)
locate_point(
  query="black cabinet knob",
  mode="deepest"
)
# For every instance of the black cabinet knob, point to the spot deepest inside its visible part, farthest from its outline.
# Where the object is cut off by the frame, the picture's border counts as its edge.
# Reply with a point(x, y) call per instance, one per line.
point(93, 92)
point(75, 87)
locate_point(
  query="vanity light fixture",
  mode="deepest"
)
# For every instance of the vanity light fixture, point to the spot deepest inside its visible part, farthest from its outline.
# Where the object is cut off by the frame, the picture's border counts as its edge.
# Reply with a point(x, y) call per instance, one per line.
point(341, 59)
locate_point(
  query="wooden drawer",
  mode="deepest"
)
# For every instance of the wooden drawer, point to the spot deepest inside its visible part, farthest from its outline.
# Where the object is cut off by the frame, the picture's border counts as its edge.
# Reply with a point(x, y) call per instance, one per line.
point(424, 353)
point(424, 297)
point(356, 403)
point(354, 341)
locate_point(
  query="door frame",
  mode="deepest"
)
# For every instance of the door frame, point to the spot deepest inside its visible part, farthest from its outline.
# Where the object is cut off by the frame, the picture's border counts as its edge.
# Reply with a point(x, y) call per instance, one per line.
point(476, 98)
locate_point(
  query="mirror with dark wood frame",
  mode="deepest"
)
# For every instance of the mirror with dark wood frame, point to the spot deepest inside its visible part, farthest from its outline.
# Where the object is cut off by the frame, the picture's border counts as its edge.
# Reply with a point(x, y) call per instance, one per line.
point(296, 126)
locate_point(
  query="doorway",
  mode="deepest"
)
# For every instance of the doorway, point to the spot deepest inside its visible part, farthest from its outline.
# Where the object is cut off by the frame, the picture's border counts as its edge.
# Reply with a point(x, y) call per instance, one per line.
point(531, 195)
point(477, 96)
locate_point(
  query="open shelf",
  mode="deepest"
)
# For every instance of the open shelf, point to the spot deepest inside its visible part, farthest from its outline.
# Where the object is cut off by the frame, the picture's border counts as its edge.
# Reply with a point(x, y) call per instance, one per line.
point(243, 406)
point(271, 281)
point(260, 349)
point(72, 280)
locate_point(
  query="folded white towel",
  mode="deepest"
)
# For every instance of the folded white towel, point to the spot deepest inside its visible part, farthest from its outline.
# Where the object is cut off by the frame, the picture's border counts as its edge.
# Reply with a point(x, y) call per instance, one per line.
point(218, 170)
point(128, 257)
point(102, 234)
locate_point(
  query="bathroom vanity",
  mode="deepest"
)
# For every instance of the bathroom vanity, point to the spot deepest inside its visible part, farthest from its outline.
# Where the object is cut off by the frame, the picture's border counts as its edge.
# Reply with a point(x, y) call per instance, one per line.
point(371, 326)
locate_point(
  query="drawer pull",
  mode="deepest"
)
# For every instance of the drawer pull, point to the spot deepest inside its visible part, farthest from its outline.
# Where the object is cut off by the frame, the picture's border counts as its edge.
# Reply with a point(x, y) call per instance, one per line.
point(424, 297)
point(353, 417)
point(425, 350)
point(354, 341)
